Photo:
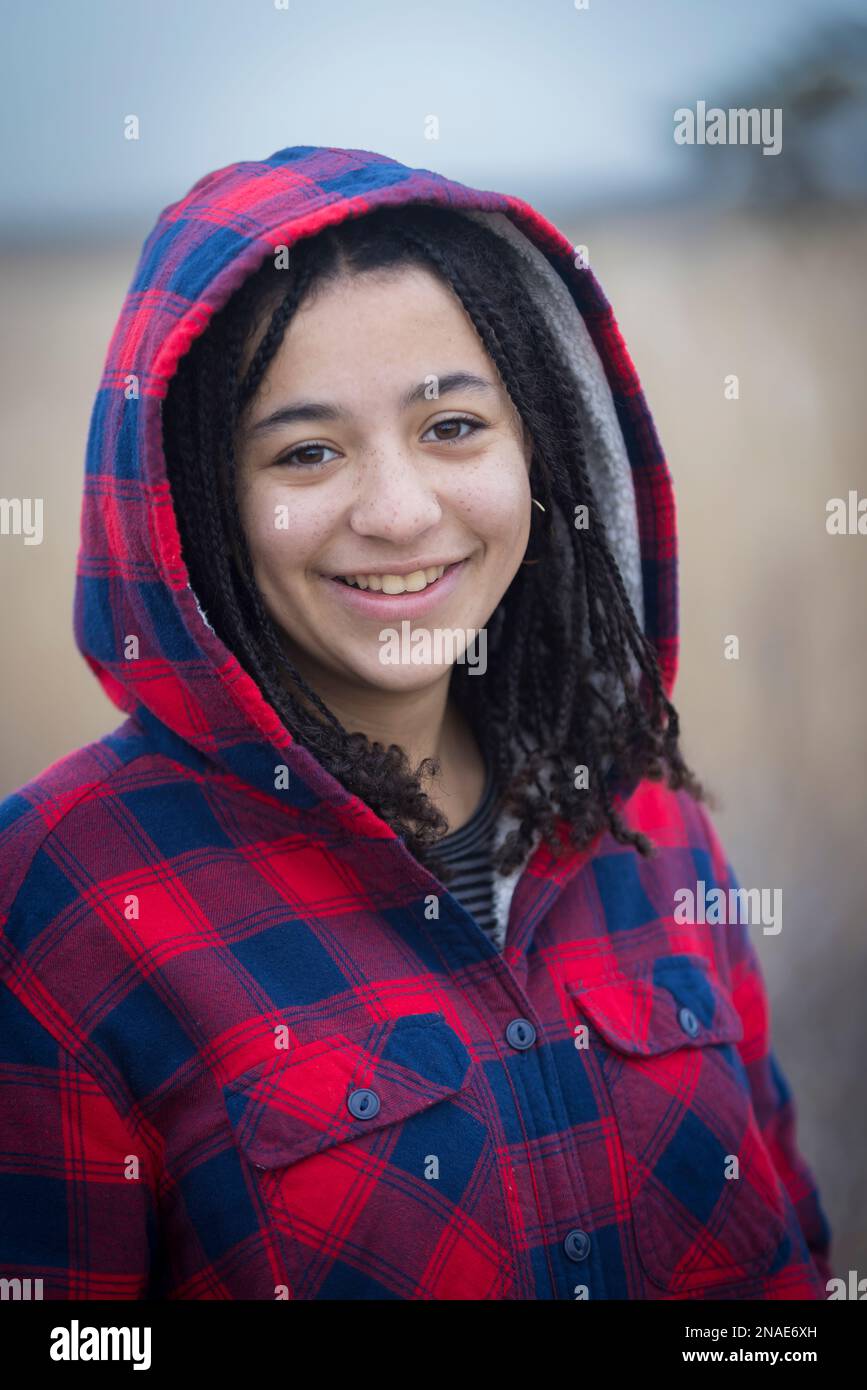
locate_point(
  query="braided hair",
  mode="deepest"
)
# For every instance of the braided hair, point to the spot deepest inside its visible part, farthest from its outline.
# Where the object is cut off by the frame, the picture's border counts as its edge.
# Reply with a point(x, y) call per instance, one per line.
point(571, 678)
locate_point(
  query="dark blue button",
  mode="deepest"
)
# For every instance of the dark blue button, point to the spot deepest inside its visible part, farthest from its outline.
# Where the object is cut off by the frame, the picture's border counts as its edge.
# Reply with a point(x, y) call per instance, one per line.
point(520, 1033)
point(577, 1245)
point(363, 1104)
point(688, 1021)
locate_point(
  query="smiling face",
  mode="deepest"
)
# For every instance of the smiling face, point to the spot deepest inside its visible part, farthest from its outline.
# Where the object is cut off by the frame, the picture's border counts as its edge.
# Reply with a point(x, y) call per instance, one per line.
point(350, 469)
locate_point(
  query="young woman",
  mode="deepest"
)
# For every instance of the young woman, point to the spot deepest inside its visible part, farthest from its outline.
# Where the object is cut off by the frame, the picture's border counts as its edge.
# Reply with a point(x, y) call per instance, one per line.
point(354, 964)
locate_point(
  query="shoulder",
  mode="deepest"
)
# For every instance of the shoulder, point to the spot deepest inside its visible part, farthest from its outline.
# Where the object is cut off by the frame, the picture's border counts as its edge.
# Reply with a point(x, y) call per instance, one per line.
point(674, 820)
point(59, 832)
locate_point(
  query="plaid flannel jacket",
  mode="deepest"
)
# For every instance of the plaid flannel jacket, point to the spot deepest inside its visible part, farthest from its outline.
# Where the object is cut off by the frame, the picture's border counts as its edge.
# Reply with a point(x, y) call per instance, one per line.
point(249, 1046)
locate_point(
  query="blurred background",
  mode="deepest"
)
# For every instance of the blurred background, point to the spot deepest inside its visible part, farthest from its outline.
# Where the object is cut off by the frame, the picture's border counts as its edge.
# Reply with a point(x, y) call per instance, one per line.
point(719, 261)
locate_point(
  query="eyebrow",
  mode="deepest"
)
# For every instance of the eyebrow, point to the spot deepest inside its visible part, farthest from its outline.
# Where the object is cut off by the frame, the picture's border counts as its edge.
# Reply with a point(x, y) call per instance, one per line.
point(325, 410)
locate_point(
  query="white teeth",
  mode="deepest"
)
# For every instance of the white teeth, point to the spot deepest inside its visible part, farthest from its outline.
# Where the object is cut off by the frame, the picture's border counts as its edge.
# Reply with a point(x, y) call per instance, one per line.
point(396, 583)
point(407, 583)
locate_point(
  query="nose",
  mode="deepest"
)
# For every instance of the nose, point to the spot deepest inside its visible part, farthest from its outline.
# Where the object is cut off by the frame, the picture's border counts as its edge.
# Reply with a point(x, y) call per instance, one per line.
point(393, 501)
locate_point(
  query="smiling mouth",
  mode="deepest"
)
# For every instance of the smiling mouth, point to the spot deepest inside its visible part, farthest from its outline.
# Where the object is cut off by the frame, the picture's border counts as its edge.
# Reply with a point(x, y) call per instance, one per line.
point(391, 584)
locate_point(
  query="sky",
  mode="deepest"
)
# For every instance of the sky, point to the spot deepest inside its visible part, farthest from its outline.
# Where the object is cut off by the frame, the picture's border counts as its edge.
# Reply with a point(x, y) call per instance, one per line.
point(533, 97)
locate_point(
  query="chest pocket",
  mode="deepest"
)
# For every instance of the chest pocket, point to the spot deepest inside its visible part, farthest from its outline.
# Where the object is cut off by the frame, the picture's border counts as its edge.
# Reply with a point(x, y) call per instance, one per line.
point(708, 1206)
point(371, 1159)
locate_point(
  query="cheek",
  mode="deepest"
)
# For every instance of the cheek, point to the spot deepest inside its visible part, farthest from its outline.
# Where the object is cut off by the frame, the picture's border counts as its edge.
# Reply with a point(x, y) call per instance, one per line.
point(282, 532)
point(495, 499)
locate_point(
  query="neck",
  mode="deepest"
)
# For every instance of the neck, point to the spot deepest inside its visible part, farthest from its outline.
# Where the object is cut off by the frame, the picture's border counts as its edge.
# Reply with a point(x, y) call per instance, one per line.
point(425, 723)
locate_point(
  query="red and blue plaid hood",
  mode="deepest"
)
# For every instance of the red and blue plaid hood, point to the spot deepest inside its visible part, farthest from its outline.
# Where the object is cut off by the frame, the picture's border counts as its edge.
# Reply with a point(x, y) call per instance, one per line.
point(249, 1046)
point(132, 579)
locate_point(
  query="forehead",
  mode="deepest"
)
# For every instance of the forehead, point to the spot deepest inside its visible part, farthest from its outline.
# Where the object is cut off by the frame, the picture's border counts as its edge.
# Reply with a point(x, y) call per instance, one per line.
point(397, 320)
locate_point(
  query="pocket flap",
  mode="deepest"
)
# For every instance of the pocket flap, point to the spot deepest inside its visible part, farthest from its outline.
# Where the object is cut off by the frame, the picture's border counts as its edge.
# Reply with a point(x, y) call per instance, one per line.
point(670, 1003)
point(297, 1102)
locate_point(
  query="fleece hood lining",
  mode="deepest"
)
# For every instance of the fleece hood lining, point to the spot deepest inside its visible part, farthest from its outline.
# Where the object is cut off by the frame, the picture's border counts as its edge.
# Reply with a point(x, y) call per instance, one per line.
point(607, 459)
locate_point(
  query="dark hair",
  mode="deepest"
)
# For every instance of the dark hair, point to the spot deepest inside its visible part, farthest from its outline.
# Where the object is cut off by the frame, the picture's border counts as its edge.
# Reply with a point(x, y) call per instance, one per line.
point(571, 678)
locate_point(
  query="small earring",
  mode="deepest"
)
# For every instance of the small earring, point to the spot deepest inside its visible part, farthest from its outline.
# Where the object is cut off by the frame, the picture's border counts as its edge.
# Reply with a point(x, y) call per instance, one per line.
point(541, 509)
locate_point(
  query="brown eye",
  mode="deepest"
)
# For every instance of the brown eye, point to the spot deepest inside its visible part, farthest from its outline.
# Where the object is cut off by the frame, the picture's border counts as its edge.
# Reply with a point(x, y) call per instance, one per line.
point(300, 457)
point(453, 424)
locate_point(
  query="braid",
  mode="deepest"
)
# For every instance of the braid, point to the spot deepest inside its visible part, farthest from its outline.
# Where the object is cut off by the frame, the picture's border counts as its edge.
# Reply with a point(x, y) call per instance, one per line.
point(273, 335)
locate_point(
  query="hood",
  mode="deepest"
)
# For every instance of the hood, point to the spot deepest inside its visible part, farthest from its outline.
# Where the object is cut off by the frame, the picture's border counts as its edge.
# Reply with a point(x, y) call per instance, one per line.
point(137, 620)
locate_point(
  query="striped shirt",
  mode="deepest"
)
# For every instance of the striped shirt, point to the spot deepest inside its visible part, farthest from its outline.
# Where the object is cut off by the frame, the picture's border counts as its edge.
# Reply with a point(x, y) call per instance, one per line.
point(467, 851)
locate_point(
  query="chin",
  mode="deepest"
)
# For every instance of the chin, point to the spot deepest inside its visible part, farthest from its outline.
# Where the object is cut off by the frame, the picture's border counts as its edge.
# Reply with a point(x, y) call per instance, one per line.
point(402, 679)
